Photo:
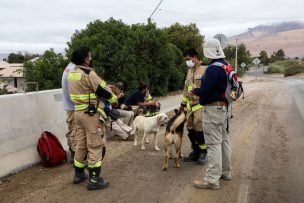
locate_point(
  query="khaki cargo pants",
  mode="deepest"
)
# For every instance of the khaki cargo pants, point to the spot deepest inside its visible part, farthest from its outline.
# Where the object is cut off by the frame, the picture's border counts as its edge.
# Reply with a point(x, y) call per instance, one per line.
point(70, 135)
point(194, 120)
point(87, 141)
point(216, 138)
point(127, 117)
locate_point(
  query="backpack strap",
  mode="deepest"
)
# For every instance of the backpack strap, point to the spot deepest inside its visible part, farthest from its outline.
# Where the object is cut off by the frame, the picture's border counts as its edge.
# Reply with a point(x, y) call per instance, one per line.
point(45, 136)
point(218, 64)
point(86, 71)
point(57, 141)
point(55, 138)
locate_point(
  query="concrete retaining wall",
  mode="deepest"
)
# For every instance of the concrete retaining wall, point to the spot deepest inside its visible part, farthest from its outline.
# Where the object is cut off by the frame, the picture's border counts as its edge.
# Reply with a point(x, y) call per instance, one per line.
point(22, 119)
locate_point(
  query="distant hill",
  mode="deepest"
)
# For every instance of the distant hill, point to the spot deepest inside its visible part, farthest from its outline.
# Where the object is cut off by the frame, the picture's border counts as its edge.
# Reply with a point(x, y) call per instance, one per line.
point(288, 35)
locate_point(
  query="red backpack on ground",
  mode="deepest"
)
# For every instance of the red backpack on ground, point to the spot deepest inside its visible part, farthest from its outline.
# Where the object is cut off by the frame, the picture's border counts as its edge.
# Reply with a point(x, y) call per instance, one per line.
point(50, 150)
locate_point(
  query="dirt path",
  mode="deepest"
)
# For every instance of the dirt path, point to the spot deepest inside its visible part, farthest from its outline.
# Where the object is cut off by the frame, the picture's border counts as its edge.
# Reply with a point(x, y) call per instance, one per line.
point(267, 134)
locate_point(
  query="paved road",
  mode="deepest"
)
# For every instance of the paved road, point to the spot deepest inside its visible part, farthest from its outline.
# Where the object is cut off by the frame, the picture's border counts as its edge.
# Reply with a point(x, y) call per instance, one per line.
point(275, 174)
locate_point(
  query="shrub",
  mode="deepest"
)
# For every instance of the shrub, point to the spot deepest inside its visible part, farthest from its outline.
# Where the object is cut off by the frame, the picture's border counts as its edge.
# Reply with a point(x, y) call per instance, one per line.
point(294, 69)
point(273, 68)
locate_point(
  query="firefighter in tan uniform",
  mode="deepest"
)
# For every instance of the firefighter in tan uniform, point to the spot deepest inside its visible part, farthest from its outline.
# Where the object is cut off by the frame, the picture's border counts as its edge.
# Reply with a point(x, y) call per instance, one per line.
point(194, 109)
point(86, 89)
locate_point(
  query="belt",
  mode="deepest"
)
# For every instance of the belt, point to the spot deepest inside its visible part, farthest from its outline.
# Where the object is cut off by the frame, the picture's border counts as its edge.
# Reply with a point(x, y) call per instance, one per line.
point(218, 103)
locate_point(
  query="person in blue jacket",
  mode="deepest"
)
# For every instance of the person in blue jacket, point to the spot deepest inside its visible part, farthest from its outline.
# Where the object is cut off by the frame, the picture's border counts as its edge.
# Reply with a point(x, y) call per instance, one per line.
point(215, 115)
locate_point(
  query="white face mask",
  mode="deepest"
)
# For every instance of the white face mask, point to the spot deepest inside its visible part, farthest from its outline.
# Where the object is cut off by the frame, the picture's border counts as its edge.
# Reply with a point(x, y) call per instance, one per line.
point(189, 63)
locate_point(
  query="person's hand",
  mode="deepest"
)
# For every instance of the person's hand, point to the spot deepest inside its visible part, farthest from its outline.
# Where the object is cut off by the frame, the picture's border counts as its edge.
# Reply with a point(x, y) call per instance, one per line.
point(193, 91)
point(191, 87)
point(120, 95)
point(152, 103)
point(111, 86)
point(115, 103)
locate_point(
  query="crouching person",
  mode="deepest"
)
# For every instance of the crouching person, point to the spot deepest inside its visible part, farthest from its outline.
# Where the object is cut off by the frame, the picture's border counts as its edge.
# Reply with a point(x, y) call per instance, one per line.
point(117, 126)
point(141, 101)
point(86, 89)
point(126, 129)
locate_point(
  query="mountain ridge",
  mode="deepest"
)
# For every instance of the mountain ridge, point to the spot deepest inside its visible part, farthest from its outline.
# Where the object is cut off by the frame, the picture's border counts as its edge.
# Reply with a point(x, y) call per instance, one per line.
point(288, 36)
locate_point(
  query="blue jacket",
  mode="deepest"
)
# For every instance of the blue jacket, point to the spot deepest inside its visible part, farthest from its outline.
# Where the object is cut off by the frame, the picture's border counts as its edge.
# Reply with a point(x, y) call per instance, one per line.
point(134, 98)
point(213, 85)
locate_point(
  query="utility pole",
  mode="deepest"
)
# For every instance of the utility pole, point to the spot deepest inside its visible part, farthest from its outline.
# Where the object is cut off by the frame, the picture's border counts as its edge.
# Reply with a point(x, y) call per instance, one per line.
point(236, 48)
point(149, 19)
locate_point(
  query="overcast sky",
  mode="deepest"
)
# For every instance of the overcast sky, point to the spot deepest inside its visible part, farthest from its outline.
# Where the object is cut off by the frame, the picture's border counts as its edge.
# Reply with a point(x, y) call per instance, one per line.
point(37, 25)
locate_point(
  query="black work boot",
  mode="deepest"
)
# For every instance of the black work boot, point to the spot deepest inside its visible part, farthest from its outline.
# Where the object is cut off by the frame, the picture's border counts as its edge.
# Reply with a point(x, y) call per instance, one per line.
point(95, 182)
point(79, 176)
point(202, 160)
point(192, 157)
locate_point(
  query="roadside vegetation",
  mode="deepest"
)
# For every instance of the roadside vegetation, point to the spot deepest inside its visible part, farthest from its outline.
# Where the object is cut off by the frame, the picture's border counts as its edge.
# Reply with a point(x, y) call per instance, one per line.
point(287, 67)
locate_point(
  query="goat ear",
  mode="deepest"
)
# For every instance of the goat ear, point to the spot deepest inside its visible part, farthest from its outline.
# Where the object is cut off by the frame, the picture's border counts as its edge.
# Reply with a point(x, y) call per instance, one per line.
point(176, 111)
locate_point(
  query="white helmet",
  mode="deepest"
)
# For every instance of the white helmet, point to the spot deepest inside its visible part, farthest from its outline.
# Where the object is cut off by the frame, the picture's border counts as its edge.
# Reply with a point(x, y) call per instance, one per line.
point(213, 49)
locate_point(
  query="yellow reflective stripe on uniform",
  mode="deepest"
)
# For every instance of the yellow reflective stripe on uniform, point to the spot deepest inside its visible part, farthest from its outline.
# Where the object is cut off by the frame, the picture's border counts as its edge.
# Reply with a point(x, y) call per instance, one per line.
point(103, 84)
point(113, 98)
point(82, 96)
point(78, 164)
point(149, 114)
point(190, 88)
point(148, 98)
point(188, 106)
point(96, 165)
point(80, 107)
point(202, 146)
point(196, 107)
point(74, 76)
point(101, 111)
point(185, 99)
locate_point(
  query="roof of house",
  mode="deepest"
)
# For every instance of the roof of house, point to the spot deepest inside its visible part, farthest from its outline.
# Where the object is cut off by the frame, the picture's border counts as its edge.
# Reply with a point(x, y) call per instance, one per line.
point(15, 64)
point(12, 72)
point(4, 64)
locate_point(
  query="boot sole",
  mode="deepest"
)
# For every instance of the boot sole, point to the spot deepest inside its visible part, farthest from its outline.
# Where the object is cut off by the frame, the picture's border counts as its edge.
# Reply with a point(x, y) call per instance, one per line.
point(207, 187)
point(96, 187)
point(202, 163)
point(190, 160)
point(82, 180)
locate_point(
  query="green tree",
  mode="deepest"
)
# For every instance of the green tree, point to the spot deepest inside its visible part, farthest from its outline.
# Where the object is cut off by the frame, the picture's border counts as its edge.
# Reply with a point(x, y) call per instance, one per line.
point(244, 56)
point(28, 56)
point(185, 37)
point(280, 55)
point(46, 70)
point(131, 53)
point(273, 57)
point(264, 58)
point(15, 58)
